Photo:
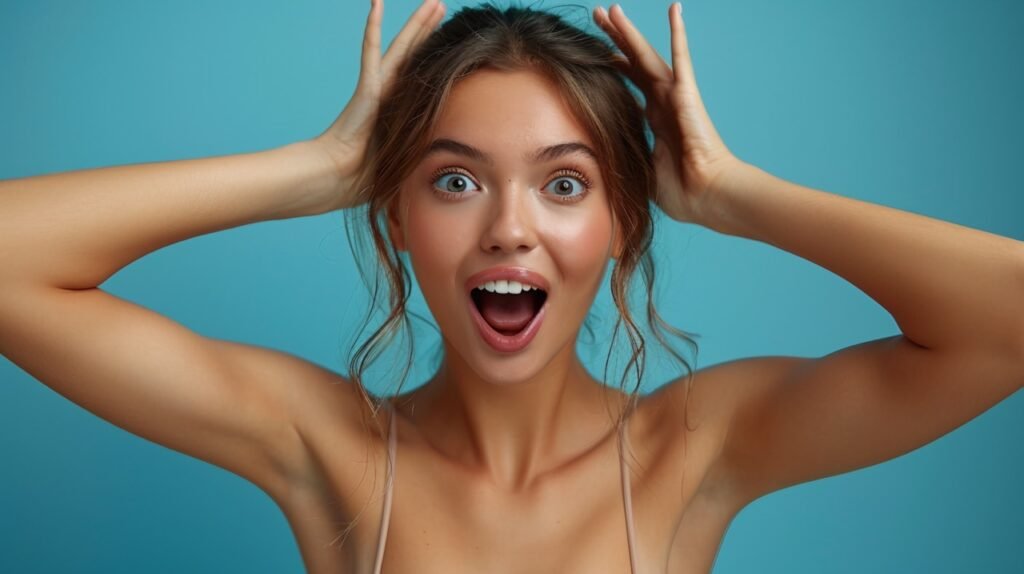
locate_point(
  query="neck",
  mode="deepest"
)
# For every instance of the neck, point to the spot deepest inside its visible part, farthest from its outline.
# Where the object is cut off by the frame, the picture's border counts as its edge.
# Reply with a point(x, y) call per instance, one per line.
point(514, 431)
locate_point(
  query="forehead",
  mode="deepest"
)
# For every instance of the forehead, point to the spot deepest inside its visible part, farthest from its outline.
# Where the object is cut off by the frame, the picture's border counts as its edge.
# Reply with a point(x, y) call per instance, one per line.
point(499, 110)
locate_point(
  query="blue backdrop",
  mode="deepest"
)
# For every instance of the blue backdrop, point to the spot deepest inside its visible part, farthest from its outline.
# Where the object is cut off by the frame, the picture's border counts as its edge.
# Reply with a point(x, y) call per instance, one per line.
point(912, 104)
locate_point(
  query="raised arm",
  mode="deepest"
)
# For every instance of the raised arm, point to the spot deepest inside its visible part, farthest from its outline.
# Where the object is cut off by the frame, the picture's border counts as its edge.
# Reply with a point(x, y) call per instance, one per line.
point(227, 403)
point(65, 234)
point(956, 293)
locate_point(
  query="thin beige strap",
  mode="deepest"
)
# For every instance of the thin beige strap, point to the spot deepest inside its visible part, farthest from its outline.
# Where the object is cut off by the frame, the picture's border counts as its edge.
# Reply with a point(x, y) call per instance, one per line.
point(626, 496)
point(386, 518)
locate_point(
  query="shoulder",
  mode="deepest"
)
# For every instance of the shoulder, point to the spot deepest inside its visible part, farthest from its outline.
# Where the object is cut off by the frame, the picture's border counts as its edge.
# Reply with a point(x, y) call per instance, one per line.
point(323, 410)
point(694, 414)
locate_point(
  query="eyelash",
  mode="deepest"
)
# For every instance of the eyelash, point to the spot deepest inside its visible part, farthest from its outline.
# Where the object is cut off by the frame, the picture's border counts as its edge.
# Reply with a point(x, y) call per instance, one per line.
point(572, 172)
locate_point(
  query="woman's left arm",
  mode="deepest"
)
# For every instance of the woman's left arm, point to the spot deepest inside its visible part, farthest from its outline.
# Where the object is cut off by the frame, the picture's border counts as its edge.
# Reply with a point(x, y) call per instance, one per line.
point(956, 293)
point(950, 288)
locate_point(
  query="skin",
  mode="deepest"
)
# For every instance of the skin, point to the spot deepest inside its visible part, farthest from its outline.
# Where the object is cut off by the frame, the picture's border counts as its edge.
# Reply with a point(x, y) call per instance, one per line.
point(511, 416)
point(534, 484)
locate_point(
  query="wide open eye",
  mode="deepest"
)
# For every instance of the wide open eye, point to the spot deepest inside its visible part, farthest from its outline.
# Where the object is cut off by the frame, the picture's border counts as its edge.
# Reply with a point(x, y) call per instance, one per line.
point(453, 183)
point(563, 188)
point(570, 185)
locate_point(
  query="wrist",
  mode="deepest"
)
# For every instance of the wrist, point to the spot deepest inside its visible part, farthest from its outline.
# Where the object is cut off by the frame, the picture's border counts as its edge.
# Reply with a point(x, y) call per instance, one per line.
point(319, 191)
point(724, 193)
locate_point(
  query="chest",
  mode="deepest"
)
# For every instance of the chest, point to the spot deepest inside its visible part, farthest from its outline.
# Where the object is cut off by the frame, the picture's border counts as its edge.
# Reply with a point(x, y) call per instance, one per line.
point(442, 520)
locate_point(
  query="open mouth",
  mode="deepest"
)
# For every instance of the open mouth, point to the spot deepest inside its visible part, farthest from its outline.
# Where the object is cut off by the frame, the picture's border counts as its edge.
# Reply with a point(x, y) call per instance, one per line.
point(508, 314)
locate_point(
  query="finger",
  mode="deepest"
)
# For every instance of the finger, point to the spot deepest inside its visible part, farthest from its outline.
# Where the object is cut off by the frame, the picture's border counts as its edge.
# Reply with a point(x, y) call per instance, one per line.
point(623, 65)
point(400, 45)
point(623, 62)
point(648, 59)
point(435, 17)
point(371, 40)
point(682, 65)
point(601, 17)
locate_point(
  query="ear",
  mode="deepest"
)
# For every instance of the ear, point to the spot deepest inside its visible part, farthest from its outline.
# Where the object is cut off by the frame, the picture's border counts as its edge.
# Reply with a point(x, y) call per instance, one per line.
point(395, 232)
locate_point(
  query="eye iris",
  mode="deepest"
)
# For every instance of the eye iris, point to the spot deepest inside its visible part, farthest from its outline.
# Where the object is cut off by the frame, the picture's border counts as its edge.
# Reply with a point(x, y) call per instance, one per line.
point(461, 183)
point(564, 186)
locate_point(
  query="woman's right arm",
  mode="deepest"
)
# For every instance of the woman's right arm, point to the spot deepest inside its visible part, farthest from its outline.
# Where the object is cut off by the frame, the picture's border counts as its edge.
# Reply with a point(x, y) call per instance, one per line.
point(240, 407)
point(64, 234)
point(73, 230)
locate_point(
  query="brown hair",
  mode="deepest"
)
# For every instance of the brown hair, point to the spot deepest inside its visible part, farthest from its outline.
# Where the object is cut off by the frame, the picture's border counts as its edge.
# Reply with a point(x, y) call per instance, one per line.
point(581, 64)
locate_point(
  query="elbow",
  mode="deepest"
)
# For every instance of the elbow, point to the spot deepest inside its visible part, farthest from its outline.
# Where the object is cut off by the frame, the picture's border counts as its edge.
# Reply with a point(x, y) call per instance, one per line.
point(1020, 365)
point(1019, 315)
point(1019, 359)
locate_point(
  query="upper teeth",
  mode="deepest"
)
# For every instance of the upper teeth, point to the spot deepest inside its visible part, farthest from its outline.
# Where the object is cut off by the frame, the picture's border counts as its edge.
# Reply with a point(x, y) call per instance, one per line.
point(504, 286)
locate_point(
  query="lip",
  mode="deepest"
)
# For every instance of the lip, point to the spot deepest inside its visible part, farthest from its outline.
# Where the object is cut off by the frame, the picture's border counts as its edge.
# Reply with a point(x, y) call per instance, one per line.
point(521, 274)
point(497, 341)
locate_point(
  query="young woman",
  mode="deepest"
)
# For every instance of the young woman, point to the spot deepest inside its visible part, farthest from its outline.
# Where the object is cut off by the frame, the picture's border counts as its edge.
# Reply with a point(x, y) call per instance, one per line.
point(505, 156)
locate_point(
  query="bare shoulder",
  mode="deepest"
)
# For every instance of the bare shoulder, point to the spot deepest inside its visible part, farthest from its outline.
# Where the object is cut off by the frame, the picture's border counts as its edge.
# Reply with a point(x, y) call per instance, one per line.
point(312, 399)
point(243, 408)
point(693, 415)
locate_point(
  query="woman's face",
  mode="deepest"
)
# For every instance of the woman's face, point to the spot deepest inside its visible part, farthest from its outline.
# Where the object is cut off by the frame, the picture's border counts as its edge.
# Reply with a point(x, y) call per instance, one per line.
point(501, 207)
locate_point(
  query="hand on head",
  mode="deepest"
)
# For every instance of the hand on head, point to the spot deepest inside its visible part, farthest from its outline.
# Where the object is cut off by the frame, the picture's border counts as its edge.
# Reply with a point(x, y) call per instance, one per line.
point(346, 139)
point(689, 155)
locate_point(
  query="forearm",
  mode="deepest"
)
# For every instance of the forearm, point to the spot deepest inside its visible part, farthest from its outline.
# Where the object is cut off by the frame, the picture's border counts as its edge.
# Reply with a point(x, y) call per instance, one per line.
point(75, 229)
point(946, 285)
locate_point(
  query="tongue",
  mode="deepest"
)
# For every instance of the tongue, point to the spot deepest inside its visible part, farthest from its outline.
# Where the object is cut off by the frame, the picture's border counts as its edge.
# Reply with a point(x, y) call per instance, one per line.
point(506, 313)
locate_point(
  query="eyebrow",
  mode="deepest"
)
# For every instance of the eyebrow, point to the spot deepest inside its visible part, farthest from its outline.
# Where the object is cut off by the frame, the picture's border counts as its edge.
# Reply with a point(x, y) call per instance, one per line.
point(548, 153)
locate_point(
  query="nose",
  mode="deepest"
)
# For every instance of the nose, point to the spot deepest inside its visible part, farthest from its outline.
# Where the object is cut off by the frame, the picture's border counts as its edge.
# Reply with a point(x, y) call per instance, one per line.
point(510, 226)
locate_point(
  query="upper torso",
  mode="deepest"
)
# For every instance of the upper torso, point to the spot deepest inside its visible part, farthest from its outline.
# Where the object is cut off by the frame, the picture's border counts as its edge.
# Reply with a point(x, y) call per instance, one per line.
point(444, 520)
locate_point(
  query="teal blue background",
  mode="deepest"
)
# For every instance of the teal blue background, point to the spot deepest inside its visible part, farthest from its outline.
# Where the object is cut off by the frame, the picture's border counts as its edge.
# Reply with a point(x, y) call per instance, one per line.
point(915, 105)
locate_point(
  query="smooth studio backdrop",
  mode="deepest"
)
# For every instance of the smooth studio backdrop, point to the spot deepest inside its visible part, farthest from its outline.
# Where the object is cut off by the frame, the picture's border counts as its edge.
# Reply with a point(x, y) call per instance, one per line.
point(913, 104)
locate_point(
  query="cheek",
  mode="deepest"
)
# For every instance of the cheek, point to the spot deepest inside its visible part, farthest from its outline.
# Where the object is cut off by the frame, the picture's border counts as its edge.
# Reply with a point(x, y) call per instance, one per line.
point(580, 242)
point(437, 240)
